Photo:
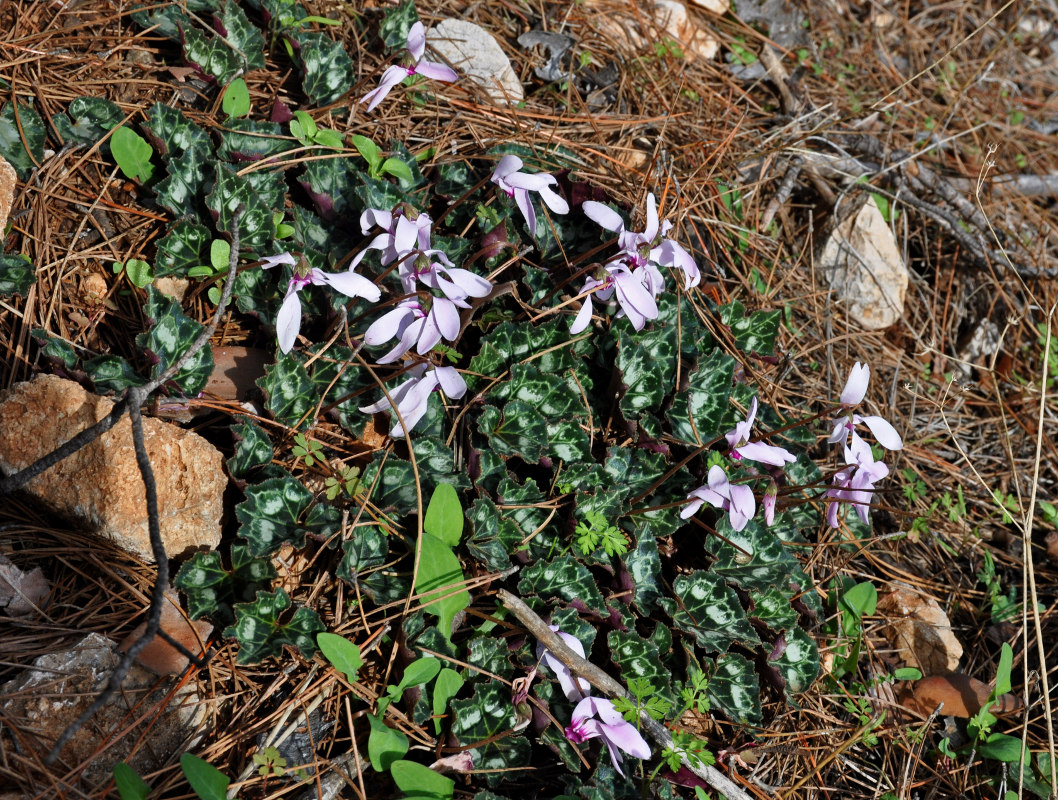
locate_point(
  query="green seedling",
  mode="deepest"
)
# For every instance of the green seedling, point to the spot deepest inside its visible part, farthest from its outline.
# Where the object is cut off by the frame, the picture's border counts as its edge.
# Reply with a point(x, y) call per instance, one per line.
point(138, 271)
point(219, 260)
point(304, 129)
point(594, 532)
point(236, 99)
point(308, 449)
point(377, 164)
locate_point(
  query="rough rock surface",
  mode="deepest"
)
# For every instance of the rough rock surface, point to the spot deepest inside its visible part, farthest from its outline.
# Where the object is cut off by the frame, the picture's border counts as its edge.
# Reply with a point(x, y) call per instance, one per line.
point(666, 17)
point(8, 179)
point(475, 54)
point(101, 483)
point(866, 269)
point(39, 704)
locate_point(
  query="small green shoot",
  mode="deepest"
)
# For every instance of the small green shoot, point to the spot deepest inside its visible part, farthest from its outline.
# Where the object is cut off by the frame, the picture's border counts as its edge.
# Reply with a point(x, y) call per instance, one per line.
point(270, 763)
point(595, 531)
point(219, 261)
point(304, 129)
point(644, 700)
point(377, 165)
point(308, 449)
point(347, 482)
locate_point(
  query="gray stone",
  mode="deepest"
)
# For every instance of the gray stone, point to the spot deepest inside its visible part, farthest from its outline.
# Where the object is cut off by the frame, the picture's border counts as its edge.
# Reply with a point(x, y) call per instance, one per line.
point(475, 54)
point(865, 268)
point(39, 704)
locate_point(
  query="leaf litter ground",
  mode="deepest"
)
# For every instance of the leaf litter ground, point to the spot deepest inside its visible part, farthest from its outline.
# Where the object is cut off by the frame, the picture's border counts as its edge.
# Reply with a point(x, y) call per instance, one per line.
point(962, 370)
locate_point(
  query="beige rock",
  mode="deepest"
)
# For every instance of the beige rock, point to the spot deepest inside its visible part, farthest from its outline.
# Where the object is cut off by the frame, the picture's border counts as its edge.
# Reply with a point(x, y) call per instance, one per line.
point(919, 630)
point(866, 269)
point(38, 705)
point(101, 483)
point(475, 54)
point(175, 288)
point(621, 23)
point(8, 179)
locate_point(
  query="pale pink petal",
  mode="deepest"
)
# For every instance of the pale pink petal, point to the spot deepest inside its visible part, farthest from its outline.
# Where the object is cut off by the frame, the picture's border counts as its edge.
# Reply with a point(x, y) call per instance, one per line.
point(348, 283)
point(652, 219)
point(389, 325)
point(273, 261)
point(525, 205)
point(505, 166)
point(635, 300)
point(446, 318)
point(416, 43)
point(451, 382)
point(390, 78)
point(766, 454)
point(856, 386)
point(288, 320)
point(743, 506)
point(884, 432)
point(603, 215)
point(583, 318)
point(554, 200)
point(436, 72)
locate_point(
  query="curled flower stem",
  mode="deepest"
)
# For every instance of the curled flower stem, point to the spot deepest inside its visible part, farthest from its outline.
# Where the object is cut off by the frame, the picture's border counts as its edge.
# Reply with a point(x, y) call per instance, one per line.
point(604, 683)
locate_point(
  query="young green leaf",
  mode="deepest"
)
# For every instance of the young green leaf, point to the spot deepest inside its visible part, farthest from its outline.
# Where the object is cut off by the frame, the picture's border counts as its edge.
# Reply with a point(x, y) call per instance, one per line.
point(236, 100)
point(384, 745)
point(444, 515)
point(440, 575)
point(397, 168)
point(129, 784)
point(133, 154)
point(369, 150)
point(418, 781)
point(448, 684)
point(343, 654)
point(328, 138)
point(139, 272)
point(208, 782)
point(420, 671)
point(303, 127)
point(220, 254)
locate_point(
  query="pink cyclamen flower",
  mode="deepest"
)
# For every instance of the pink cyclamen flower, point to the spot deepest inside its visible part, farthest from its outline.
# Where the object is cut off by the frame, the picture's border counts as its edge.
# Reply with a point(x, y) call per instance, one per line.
point(412, 396)
point(595, 716)
point(852, 395)
point(394, 74)
point(636, 301)
point(649, 247)
point(415, 323)
point(573, 688)
point(742, 447)
point(518, 185)
point(720, 493)
point(401, 235)
point(288, 321)
point(855, 483)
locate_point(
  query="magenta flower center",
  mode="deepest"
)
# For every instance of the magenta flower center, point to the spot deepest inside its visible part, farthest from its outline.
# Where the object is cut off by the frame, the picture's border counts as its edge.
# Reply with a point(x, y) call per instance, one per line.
point(577, 732)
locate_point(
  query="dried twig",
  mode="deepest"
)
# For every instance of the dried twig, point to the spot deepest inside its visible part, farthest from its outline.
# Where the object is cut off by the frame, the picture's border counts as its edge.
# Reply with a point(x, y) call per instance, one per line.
point(134, 400)
point(600, 680)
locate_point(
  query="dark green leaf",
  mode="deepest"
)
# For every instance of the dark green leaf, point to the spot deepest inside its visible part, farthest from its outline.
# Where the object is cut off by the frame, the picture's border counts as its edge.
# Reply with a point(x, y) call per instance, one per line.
point(183, 246)
point(735, 689)
point(165, 20)
point(639, 658)
point(755, 333)
point(269, 515)
point(327, 70)
point(53, 347)
point(1001, 747)
point(92, 119)
point(397, 22)
point(256, 226)
point(111, 374)
point(565, 578)
point(487, 713)
point(212, 55)
point(245, 140)
point(799, 662)
point(331, 183)
point(644, 566)
point(244, 38)
point(253, 448)
point(290, 394)
point(752, 558)
point(365, 549)
point(17, 274)
point(205, 582)
point(260, 633)
point(490, 653)
point(710, 610)
point(171, 335)
point(702, 412)
point(518, 430)
point(23, 149)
